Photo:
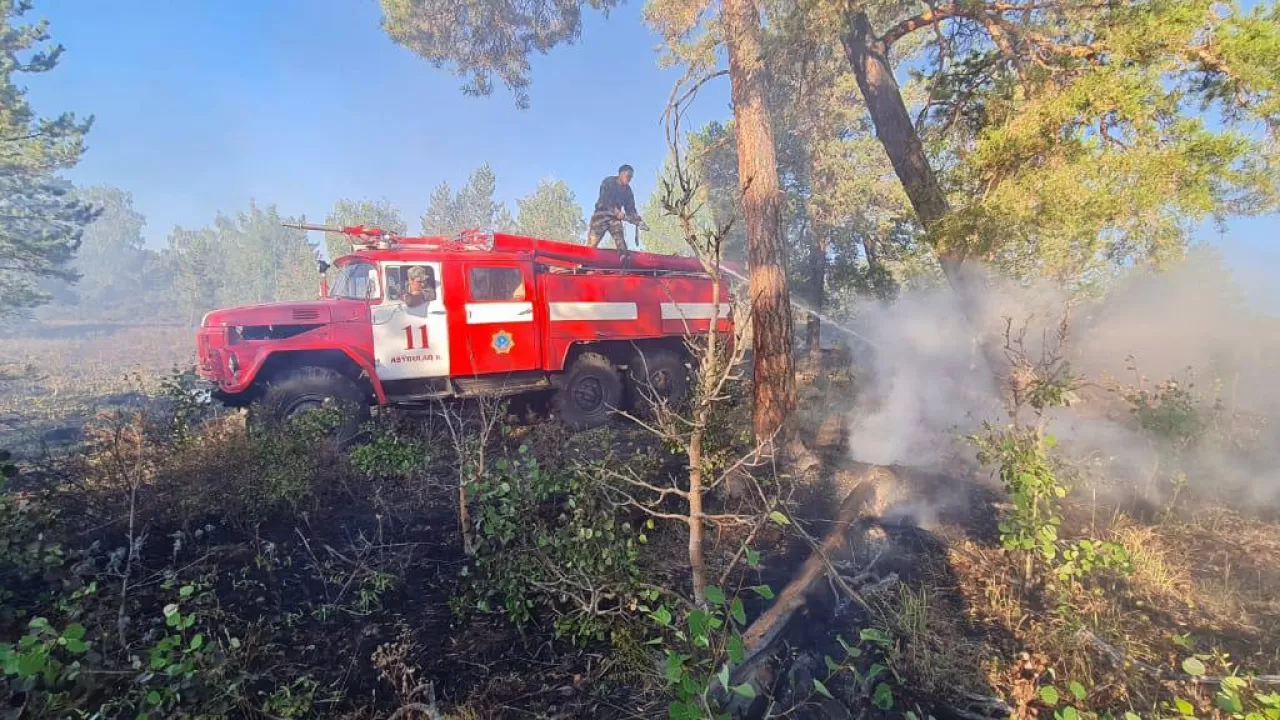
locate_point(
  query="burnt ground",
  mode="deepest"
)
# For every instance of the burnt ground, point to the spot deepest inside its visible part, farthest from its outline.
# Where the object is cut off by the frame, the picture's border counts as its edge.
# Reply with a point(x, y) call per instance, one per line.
point(342, 600)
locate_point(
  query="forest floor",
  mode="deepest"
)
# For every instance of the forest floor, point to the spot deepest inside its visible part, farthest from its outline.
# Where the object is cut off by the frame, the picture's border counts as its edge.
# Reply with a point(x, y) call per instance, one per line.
point(185, 568)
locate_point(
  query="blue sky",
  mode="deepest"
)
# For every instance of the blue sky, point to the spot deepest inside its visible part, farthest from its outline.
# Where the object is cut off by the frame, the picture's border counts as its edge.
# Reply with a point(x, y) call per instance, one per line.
point(203, 106)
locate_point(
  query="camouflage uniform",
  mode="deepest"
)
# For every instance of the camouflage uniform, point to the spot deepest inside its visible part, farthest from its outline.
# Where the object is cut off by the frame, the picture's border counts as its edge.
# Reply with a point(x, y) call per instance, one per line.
point(614, 196)
point(604, 221)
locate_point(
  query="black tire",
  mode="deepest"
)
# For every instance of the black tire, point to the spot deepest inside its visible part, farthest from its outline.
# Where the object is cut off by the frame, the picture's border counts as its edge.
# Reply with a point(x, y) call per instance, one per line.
point(589, 393)
point(657, 375)
point(307, 388)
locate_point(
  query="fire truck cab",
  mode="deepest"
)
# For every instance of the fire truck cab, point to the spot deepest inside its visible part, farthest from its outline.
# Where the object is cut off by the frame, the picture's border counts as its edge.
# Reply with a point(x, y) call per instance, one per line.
point(408, 321)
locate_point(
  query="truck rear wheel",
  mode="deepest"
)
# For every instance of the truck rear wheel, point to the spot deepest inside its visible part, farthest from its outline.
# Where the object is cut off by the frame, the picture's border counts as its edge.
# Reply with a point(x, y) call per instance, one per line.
point(590, 391)
point(308, 388)
point(658, 375)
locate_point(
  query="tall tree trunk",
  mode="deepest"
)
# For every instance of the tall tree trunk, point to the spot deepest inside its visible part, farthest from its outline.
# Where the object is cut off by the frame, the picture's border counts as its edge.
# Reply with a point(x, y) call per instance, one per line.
point(762, 209)
point(817, 292)
point(869, 58)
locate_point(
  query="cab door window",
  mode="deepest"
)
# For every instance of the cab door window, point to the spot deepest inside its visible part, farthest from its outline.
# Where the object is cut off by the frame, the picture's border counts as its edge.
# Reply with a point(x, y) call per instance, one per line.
point(413, 284)
point(497, 284)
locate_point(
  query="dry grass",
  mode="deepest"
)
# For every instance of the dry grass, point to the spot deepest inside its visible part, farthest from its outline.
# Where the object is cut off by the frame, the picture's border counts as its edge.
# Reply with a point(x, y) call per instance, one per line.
point(51, 384)
point(1160, 572)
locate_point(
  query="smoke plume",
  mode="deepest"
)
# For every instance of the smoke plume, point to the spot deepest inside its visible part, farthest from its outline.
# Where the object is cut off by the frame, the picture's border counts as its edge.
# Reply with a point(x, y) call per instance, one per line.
point(924, 380)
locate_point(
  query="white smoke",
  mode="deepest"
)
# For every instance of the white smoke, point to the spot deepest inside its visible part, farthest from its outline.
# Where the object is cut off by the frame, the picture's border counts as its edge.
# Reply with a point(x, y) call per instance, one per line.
point(923, 382)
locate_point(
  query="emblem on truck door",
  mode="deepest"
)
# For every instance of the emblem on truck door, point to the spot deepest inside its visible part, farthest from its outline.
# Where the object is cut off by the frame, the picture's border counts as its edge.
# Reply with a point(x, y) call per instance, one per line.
point(502, 342)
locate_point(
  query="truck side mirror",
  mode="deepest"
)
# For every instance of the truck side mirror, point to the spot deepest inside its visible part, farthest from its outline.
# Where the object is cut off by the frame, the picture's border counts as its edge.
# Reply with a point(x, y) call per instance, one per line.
point(322, 266)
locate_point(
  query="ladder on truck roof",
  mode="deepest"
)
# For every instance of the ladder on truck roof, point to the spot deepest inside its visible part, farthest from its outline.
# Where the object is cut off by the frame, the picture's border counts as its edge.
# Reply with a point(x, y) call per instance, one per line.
point(571, 256)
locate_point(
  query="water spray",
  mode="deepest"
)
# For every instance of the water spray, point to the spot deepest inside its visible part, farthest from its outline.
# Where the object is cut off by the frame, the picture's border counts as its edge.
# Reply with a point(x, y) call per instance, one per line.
point(810, 311)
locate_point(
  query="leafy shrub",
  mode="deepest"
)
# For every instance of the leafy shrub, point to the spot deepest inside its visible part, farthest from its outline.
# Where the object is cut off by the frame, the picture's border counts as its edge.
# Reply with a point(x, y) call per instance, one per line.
point(546, 538)
point(179, 666)
point(1030, 528)
point(185, 404)
point(246, 478)
point(26, 550)
point(1171, 412)
point(388, 453)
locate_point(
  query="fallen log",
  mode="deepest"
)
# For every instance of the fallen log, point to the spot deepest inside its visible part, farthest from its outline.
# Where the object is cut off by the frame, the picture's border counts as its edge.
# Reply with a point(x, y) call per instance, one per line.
point(761, 634)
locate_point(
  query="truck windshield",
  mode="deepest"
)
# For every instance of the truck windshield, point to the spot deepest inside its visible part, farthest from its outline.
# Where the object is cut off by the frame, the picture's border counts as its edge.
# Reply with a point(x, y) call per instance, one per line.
point(356, 281)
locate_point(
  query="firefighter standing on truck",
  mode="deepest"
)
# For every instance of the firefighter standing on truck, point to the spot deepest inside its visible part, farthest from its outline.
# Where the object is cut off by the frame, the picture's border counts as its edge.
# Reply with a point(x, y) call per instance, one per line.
point(615, 204)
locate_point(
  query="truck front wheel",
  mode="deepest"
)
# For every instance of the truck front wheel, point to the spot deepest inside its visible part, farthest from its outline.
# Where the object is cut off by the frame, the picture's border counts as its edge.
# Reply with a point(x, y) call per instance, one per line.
point(305, 389)
point(589, 392)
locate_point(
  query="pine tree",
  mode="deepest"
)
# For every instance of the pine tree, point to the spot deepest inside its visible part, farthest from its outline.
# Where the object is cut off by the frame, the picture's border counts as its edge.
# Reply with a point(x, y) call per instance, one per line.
point(41, 218)
point(551, 212)
point(441, 216)
point(370, 213)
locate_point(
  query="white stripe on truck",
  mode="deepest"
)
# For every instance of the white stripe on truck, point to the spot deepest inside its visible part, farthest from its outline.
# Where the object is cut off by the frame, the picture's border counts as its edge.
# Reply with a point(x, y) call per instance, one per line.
point(692, 311)
point(593, 311)
point(499, 312)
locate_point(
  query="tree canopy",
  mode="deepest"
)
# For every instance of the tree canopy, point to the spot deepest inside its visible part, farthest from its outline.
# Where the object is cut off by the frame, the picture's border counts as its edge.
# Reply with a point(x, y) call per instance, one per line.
point(552, 212)
point(472, 207)
point(482, 40)
point(370, 213)
point(41, 217)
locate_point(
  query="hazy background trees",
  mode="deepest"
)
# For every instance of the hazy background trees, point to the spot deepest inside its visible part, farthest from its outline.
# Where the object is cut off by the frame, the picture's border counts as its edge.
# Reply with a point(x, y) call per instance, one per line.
point(552, 212)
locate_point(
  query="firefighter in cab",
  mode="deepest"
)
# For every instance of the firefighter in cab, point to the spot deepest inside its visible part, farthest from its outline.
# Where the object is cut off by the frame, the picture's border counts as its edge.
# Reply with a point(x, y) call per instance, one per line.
point(415, 293)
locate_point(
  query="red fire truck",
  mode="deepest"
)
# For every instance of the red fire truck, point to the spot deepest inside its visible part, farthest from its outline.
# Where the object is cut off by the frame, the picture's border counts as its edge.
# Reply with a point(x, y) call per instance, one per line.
point(410, 320)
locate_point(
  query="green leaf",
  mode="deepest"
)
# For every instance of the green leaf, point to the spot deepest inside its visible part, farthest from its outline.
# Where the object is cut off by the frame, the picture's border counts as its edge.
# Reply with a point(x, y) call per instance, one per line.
point(76, 646)
point(1049, 695)
point(821, 689)
point(715, 595)
point(30, 664)
point(1078, 691)
point(753, 558)
point(1067, 713)
point(1229, 702)
point(763, 591)
point(738, 612)
point(882, 697)
point(833, 667)
point(153, 697)
point(699, 624)
point(74, 631)
point(662, 616)
point(678, 710)
point(675, 667)
point(875, 635)
point(1184, 707)
point(197, 642)
point(737, 651)
point(745, 690)
point(779, 518)
point(186, 591)
point(723, 676)
point(1193, 667)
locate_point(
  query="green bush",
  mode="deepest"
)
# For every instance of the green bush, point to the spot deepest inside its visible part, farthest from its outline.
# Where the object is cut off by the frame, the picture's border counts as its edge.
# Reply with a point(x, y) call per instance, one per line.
point(388, 453)
point(1172, 412)
point(1030, 528)
point(26, 550)
point(246, 478)
point(547, 539)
